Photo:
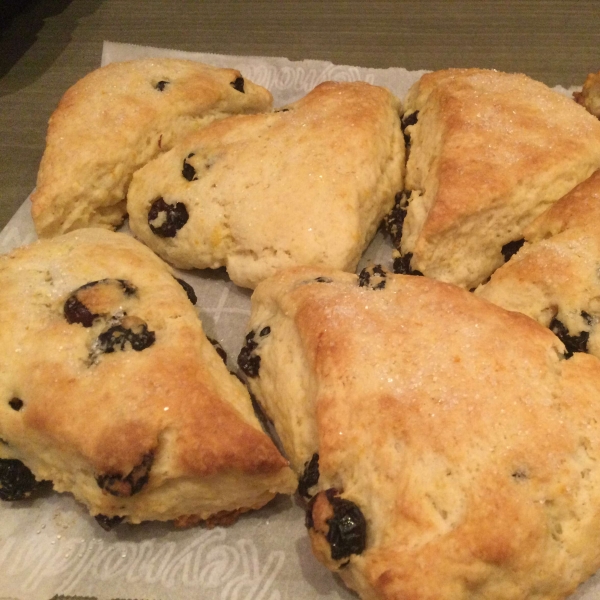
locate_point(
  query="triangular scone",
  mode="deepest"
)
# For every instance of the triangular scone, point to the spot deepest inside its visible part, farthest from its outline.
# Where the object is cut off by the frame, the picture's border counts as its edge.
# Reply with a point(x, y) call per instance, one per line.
point(111, 390)
point(489, 152)
point(308, 184)
point(451, 451)
point(116, 119)
point(554, 278)
point(589, 96)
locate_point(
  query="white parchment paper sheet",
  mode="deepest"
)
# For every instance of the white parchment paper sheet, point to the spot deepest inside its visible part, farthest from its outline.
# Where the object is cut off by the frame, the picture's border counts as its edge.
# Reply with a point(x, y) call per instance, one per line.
point(50, 546)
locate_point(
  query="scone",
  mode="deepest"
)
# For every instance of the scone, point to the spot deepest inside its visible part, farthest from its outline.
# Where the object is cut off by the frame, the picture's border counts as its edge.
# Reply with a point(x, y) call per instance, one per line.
point(112, 391)
point(308, 184)
point(589, 96)
point(489, 152)
point(450, 449)
point(554, 277)
point(116, 119)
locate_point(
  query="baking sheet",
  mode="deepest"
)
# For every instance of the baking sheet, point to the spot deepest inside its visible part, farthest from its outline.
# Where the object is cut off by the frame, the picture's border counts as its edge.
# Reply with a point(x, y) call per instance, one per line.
point(51, 548)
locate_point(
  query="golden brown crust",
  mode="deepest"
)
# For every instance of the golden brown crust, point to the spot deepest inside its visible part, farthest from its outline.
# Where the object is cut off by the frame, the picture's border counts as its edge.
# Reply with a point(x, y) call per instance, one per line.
point(305, 185)
point(457, 428)
point(489, 153)
point(138, 390)
point(117, 118)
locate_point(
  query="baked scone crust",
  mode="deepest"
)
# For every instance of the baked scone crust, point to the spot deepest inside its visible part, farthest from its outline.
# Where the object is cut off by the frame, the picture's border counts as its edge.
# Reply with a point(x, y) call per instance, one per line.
point(459, 431)
point(90, 417)
point(490, 151)
point(554, 277)
point(308, 184)
point(117, 118)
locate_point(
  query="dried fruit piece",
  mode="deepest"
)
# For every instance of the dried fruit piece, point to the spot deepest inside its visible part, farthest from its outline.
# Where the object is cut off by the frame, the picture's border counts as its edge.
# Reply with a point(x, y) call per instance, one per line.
point(123, 487)
point(510, 249)
point(131, 332)
point(161, 85)
point(310, 476)
point(248, 361)
point(238, 84)
point(165, 220)
point(573, 343)
point(220, 350)
point(17, 482)
point(108, 523)
point(188, 171)
point(402, 265)
point(372, 277)
point(189, 290)
point(16, 403)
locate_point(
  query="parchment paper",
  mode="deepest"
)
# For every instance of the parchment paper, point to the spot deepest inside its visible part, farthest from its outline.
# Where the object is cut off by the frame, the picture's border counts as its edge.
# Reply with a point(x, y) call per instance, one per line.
point(51, 548)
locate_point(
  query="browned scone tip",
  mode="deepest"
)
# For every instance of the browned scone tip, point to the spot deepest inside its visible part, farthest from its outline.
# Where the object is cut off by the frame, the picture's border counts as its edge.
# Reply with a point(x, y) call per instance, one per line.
point(589, 96)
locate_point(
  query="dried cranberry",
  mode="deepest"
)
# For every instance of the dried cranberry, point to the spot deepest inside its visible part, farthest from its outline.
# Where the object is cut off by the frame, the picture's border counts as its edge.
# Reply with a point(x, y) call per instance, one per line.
point(189, 290)
point(119, 337)
point(510, 249)
point(108, 523)
point(372, 277)
point(393, 222)
point(310, 476)
point(573, 343)
point(248, 361)
point(188, 170)
point(172, 217)
point(16, 403)
point(17, 482)
point(402, 265)
point(238, 84)
point(125, 486)
point(75, 311)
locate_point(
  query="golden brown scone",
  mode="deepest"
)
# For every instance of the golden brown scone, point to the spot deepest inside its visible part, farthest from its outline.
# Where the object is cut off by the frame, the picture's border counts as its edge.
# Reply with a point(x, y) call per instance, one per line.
point(489, 152)
point(451, 451)
point(308, 184)
point(115, 120)
point(589, 97)
point(554, 277)
point(112, 391)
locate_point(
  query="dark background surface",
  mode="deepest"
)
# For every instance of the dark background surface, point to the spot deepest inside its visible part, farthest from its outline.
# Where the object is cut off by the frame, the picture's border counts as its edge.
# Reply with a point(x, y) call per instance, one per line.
point(46, 45)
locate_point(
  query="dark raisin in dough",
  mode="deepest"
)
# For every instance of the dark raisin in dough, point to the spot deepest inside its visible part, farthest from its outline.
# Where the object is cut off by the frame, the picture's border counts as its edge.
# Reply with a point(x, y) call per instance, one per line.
point(248, 361)
point(17, 482)
point(393, 222)
point(372, 277)
point(265, 331)
point(161, 85)
point(324, 280)
point(220, 350)
point(587, 317)
point(573, 343)
point(123, 487)
point(189, 290)
point(75, 311)
point(238, 84)
point(407, 121)
point(510, 249)
point(347, 527)
point(188, 170)
point(16, 403)
point(175, 216)
point(118, 337)
point(309, 477)
point(108, 523)
point(402, 265)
